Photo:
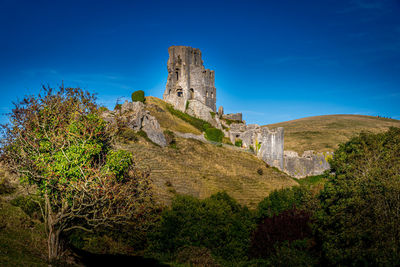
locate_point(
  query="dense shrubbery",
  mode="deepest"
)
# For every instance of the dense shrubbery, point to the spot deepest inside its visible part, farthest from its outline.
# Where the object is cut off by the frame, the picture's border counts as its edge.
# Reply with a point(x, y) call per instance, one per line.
point(289, 225)
point(359, 220)
point(299, 197)
point(214, 134)
point(217, 223)
point(138, 96)
point(197, 123)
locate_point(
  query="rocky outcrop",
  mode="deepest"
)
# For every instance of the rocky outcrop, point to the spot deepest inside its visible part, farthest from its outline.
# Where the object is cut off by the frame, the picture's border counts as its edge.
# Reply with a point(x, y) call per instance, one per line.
point(308, 164)
point(135, 116)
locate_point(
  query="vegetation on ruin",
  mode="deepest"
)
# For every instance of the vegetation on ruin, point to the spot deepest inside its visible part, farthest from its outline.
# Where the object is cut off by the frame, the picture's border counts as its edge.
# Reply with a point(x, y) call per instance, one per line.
point(213, 134)
point(138, 96)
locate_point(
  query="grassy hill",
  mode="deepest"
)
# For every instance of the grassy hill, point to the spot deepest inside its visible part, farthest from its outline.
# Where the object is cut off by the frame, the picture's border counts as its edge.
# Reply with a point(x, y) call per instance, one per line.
point(201, 169)
point(324, 133)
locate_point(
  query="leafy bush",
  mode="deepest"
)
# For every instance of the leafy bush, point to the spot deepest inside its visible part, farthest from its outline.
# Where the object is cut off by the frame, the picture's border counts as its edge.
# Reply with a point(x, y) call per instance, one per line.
point(138, 96)
point(217, 223)
point(195, 256)
point(29, 205)
point(118, 107)
point(212, 114)
point(195, 122)
point(359, 220)
point(238, 142)
point(214, 134)
point(289, 225)
point(260, 171)
point(278, 201)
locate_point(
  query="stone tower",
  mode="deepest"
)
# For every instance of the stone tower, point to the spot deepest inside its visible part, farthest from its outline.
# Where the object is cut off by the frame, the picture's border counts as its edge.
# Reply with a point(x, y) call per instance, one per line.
point(188, 79)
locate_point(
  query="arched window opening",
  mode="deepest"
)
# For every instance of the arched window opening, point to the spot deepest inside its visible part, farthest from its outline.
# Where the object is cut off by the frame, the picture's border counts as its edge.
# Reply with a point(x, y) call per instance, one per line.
point(179, 92)
point(206, 93)
point(177, 75)
point(191, 93)
point(212, 94)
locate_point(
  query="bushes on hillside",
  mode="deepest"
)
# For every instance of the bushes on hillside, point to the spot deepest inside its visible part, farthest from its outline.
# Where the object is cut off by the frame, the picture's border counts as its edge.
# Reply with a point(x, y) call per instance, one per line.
point(289, 225)
point(214, 134)
point(238, 142)
point(278, 201)
point(359, 220)
point(138, 96)
point(217, 223)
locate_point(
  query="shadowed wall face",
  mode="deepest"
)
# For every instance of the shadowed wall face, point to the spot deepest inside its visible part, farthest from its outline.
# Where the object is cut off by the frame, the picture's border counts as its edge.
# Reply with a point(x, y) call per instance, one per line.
point(188, 79)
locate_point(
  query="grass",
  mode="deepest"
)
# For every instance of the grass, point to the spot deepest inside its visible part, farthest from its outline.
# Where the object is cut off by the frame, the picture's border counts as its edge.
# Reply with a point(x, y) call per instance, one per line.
point(324, 133)
point(195, 122)
point(22, 240)
point(159, 109)
point(201, 169)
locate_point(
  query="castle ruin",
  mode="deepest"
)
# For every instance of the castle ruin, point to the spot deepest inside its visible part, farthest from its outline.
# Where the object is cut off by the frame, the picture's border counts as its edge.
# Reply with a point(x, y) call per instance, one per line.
point(188, 80)
point(190, 89)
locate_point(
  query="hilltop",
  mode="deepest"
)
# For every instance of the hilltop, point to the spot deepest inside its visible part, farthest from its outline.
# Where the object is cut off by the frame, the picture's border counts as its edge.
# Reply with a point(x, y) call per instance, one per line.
point(325, 133)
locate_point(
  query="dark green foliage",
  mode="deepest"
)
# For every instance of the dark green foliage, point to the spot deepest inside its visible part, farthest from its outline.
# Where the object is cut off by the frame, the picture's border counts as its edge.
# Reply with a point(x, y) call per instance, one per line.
point(197, 123)
point(138, 96)
point(238, 142)
point(359, 220)
point(5, 186)
point(102, 109)
point(195, 256)
point(212, 114)
point(217, 223)
point(214, 134)
point(30, 205)
point(284, 199)
point(289, 225)
point(296, 253)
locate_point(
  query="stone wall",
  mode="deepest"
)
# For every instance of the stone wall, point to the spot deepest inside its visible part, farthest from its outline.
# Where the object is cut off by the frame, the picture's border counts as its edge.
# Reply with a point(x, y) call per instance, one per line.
point(188, 79)
point(233, 116)
point(308, 164)
point(271, 150)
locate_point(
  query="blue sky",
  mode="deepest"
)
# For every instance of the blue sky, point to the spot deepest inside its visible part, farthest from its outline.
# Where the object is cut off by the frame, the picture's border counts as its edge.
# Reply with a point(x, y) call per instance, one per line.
point(273, 60)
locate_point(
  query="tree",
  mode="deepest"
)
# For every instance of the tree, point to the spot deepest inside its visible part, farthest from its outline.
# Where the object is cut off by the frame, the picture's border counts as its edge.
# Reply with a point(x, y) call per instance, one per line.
point(58, 142)
point(360, 216)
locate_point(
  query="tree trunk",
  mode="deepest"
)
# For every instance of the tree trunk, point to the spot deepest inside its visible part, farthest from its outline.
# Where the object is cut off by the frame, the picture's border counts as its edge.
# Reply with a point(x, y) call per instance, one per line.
point(54, 243)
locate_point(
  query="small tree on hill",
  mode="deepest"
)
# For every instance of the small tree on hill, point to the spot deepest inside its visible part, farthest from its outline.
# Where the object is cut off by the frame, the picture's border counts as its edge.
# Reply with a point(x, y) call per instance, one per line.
point(58, 142)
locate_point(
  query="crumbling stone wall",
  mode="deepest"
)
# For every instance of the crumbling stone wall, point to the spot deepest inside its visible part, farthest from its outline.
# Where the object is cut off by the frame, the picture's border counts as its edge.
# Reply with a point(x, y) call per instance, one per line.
point(188, 79)
point(308, 164)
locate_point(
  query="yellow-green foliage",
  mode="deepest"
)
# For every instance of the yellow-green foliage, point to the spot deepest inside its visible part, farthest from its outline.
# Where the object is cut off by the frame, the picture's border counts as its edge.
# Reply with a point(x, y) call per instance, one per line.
point(214, 135)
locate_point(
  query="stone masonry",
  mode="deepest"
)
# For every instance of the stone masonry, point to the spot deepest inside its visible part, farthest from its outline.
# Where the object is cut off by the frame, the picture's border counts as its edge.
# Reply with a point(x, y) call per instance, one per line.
point(188, 80)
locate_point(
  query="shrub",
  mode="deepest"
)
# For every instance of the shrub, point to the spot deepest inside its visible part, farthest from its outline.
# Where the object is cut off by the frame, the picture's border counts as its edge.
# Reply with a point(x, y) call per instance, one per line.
point(217, 223)
point(238, 142)
point(212, 114)
point(260, 171)
point(195, 256)
point(29, 205)
point(5, 186)
point(138, 96)
point(170, 138)
point(278, 201)
point(359, 219)
point(118, 107)
point(214, 134)
point(289, 225)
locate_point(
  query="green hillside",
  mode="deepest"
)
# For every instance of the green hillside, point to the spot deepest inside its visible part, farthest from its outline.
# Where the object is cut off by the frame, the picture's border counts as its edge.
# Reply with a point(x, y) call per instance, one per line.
point(324, 133)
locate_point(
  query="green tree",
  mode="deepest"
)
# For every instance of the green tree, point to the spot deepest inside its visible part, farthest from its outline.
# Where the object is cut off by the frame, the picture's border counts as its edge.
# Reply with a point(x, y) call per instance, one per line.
point(360, 216)
point(138, 96)
point(218, 223)
point(58, 142)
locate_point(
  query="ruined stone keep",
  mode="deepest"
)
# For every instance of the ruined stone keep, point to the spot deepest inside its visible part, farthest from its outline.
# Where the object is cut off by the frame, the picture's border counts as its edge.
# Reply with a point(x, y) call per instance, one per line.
point(188, 79)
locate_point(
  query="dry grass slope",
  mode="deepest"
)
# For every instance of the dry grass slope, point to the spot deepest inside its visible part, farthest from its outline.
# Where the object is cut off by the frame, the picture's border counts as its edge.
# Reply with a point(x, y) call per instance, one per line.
point(324, 133)
point(201, 169)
